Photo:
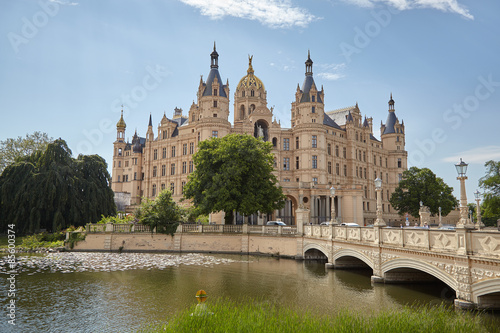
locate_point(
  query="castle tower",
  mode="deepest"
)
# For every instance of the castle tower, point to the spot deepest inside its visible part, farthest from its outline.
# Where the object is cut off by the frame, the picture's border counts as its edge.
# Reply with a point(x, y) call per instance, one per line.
point(250, 94)
point(393, 140)
point(211, 112)
point(213, 100)
point(119, 152)
point(308, 106)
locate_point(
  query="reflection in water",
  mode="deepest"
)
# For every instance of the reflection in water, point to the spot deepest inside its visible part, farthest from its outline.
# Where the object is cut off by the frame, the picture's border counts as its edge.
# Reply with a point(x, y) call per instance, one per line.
point(357, 279)
point(124, 301)
point(409, 294)
point(316, 267)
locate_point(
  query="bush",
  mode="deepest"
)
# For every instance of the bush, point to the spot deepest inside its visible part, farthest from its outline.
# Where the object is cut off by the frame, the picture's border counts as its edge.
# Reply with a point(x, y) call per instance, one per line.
point(118, 219)
point(43, 240)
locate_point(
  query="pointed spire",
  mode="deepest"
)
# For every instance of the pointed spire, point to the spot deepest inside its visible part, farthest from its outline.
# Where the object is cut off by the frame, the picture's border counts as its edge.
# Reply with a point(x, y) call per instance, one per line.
point(349, 117)
point(309, 63)
point(215, 58)
point(150, 121)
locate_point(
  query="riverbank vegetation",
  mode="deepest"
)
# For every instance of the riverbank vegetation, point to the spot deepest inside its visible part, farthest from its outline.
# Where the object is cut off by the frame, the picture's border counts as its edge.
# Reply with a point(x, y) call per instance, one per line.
point(50, 190)
point(255, 316)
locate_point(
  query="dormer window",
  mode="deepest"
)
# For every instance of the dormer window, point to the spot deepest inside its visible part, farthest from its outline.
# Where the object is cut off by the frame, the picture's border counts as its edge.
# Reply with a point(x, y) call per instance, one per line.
point(252, 93)
point(243, 93)
point(215, 92)
point(313, 99)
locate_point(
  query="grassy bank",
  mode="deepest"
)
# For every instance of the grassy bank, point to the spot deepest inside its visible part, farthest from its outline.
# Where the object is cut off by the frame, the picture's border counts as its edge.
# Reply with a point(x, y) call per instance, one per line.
point(37, 241)
point(255, 316)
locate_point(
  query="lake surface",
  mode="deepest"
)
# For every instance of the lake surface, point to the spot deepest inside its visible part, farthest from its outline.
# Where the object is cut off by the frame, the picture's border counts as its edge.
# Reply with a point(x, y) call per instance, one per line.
point(87, 298)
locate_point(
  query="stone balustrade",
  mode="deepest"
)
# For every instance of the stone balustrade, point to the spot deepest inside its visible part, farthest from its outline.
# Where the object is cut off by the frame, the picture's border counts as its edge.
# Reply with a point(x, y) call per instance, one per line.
point(463, 241)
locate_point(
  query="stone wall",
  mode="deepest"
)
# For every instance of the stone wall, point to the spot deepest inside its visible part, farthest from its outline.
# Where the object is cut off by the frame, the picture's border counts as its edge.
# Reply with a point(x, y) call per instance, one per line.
point(214, 243)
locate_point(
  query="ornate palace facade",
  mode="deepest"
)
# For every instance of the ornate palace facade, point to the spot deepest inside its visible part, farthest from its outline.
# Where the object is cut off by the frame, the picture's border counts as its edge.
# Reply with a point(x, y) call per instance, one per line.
point(321, 149)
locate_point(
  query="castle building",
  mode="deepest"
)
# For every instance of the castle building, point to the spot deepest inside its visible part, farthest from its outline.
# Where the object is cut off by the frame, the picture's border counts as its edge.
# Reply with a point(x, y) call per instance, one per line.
point(321, 149)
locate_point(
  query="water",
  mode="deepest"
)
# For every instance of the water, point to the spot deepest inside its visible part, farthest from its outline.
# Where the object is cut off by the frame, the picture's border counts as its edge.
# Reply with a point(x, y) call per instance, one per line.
point(125, 301)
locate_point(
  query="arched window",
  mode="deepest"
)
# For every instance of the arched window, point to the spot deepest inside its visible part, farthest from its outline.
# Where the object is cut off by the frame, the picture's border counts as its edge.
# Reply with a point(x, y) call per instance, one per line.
point(242, 112)
point(243, 93)
point(275, 142)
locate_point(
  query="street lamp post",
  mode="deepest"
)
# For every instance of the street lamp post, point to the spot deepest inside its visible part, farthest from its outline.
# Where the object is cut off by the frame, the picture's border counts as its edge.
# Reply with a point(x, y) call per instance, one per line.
point(461, 170)
point(440, 219)
point(332, 212)
point(479, 223)
point(378, 188)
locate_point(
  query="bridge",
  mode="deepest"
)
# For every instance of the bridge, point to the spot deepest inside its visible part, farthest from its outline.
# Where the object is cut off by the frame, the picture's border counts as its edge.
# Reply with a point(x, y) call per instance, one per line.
point(466, 260)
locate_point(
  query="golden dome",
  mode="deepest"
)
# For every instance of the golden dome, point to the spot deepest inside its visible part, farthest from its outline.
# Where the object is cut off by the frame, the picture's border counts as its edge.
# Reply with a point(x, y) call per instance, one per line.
point(250, 80)
point(121, 122)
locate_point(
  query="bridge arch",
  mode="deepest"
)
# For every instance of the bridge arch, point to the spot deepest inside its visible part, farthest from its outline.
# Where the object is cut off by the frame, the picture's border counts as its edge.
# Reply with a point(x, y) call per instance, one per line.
point(352, 253)
point(486, 294)
point(310, 251)
point(420, 266)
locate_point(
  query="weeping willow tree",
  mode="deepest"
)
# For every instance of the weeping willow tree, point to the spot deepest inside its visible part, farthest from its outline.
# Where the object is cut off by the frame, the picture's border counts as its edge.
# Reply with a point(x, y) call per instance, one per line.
point(51, 190)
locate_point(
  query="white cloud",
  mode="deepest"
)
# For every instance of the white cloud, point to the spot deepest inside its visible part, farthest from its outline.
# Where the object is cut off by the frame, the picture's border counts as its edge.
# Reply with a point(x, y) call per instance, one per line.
point(477, 155)
point(331, 72)
point(330, 76)
point(64, 3)
point(451, 6)
point(273, 13)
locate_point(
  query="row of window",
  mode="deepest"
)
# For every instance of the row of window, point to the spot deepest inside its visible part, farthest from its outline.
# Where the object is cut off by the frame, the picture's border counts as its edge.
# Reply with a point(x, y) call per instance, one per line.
point(173, 151)
point(125, 177)
point(172, 169)
point(172, 188)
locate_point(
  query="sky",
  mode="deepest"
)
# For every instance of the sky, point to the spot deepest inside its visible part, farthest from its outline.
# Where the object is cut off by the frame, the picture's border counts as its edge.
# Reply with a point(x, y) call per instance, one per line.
point(67, 66)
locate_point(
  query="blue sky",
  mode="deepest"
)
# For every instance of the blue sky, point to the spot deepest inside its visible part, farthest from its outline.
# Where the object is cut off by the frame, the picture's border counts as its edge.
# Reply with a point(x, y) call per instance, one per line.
point(67, 65)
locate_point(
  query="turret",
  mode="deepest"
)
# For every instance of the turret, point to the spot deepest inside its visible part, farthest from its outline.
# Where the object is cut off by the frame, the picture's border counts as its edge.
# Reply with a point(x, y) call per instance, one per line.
point(309, 105)
point(120, 129)
point(150, 135)
point(213, 94)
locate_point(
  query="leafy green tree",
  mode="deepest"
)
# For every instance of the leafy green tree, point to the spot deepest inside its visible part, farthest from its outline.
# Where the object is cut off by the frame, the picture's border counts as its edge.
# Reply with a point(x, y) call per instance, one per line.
point(51, 190)
point(162, 214)
point(13, 149)
point(234, 173)
point(490, 208)
point(422, 185)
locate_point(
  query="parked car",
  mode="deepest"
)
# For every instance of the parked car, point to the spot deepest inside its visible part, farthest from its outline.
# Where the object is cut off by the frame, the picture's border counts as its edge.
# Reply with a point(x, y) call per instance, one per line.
point(325, 223)
point(350, 224)
point(275, 223)
point(447, 227)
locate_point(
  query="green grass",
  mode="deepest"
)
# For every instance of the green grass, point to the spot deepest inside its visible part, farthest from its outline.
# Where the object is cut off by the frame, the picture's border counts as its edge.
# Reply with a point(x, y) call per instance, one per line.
point(258, 316)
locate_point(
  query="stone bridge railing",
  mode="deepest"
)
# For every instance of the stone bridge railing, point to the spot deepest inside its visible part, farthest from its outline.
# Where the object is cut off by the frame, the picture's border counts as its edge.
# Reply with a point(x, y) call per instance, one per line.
point(460, 241)
point(196, 228)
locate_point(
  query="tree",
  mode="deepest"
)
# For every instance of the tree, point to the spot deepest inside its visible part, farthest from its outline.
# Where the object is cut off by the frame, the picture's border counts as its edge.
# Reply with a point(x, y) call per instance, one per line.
point(422, 185)
point(490, 208)
point(234, 173)
point(162, 214)
point(13, 149)
point(51, 190)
